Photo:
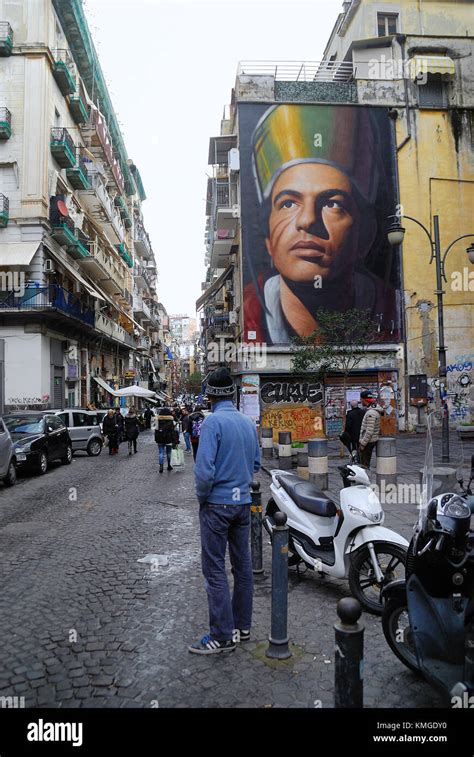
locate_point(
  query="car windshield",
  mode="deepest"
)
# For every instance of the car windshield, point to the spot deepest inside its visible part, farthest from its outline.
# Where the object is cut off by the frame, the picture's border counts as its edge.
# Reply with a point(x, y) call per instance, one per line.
point(26, 424)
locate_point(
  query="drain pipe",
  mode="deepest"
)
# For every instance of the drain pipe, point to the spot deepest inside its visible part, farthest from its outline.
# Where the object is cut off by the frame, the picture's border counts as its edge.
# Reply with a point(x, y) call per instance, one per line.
point(401, 39)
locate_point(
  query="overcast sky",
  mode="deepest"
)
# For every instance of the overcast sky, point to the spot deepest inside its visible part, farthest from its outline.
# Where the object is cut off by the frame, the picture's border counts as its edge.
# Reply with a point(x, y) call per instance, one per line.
point(170, 68)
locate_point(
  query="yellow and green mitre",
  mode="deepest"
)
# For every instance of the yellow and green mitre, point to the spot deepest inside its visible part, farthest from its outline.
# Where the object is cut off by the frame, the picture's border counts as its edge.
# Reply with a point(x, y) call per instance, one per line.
point(336, 135)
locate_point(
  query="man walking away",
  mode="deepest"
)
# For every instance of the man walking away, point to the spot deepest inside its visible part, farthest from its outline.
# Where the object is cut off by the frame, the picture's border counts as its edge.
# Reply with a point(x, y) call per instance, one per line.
point(131, 430)
point(370, 428)
point(166, 436)
point(148, 415)
point(353, 424)
point(185, 424)
point(196, 420)
point(110, 430)
point(227, 458)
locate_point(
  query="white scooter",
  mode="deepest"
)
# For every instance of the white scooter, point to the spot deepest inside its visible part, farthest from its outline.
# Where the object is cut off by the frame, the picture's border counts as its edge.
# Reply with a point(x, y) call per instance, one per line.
point(345, 541)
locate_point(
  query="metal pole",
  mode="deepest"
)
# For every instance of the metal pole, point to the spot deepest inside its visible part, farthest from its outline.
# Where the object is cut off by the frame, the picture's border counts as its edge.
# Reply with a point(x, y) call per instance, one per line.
point(441, 346)
point(256, 528)
point(278, 639)
point(349, 655)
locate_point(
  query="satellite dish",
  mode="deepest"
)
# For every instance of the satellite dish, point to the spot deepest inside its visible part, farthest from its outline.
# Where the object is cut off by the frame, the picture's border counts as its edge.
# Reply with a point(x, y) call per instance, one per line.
point(62, 208)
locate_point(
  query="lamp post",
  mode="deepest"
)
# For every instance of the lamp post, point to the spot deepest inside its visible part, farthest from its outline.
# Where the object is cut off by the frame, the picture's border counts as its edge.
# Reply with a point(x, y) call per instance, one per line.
point(395, 236)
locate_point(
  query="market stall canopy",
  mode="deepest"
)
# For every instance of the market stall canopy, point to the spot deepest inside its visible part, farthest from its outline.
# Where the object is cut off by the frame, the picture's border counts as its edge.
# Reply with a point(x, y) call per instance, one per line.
point(105, 386)
point(135, 391)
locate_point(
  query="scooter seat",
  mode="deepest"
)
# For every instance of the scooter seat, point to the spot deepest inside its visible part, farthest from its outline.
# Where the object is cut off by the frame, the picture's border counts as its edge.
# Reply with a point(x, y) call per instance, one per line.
point(307, 496)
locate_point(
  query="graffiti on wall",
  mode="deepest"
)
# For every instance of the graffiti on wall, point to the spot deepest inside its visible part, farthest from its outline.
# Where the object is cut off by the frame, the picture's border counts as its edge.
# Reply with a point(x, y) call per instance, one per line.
point(304, 422)
point(294, 405)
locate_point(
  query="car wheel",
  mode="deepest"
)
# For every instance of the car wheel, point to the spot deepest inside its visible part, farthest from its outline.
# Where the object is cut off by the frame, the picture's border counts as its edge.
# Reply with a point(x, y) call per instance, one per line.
point(42, 464)
point(67, 459)
point(10, 478)
point(94, 447)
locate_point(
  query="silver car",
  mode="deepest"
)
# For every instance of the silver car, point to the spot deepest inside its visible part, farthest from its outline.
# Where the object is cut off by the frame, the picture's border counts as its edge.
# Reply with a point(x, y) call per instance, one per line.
point(84, 429)
point(7, 457)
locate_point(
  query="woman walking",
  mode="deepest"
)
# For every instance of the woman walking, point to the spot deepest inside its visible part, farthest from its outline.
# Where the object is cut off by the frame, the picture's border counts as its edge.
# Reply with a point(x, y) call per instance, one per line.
point(111, 431)
point(131, 430)
point(166, 436)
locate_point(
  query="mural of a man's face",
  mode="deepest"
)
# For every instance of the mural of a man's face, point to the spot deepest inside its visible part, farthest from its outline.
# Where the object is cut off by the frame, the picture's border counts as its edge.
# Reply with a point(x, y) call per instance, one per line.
point(312, 223)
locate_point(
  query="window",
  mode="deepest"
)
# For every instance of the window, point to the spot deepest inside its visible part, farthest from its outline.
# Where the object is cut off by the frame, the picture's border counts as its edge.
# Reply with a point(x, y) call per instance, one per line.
point(80, 419)
point(54, 422)
point(432, 94)
point(387, 24)
point(65, 418)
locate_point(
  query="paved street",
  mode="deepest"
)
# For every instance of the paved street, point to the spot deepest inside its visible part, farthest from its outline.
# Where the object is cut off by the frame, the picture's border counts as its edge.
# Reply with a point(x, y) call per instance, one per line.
point(83, 624)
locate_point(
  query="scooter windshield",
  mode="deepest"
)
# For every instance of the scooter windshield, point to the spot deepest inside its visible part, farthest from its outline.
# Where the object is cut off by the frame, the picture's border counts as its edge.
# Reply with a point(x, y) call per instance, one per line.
point(426, 494)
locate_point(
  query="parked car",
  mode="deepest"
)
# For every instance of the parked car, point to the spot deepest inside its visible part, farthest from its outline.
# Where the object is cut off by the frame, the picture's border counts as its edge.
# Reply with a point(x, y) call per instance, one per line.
point(39, 438)
point(84, 429)
point(7, 456)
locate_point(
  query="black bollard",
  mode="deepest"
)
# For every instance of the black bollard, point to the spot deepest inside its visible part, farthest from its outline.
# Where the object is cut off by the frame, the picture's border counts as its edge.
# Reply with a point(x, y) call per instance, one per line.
point(256, 528)
point(278, 640)
point(349, 653)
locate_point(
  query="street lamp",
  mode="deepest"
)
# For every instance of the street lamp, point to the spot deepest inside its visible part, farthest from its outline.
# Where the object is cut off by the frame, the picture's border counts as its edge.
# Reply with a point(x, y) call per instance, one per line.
point(395, 234)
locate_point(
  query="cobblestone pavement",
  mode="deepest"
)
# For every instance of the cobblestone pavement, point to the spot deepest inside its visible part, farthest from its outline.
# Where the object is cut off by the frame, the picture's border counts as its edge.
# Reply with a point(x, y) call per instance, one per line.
point(83, 624)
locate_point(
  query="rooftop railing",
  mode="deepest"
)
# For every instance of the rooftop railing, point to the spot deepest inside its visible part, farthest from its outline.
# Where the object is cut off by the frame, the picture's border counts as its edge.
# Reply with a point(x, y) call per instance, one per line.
point(307, 71)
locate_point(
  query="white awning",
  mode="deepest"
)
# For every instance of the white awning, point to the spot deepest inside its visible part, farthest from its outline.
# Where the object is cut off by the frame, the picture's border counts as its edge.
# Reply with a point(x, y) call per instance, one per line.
point(18, 253)
point(431, 64)
point(105, 385)
point(87, 286)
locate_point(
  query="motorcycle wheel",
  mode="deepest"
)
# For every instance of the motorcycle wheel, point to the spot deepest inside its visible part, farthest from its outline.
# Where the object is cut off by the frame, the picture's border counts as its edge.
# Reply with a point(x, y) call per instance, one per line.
point(362, 582)
point(397, 631)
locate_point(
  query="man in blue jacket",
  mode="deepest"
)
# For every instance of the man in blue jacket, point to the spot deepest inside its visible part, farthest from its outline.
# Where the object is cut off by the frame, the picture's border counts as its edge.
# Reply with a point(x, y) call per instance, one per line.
point(227, 458)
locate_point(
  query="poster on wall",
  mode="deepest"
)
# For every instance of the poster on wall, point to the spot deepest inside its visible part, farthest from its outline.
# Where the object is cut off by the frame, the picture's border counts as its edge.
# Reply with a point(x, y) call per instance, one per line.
point(317, 184)
point(292, 404)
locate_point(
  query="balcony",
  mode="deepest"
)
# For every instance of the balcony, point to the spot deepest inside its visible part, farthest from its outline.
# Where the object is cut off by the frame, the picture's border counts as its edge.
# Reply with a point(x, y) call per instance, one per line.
point(124, 212)
point(124, 254)
point(5, 123)
point(51, 298)
point(104, 269)
point(143, 343)
point(70, 237)
point(63, 148)
point(141, 241)
point(6, 39)
point(99, 141)
point(79, 109)
point(143, 277)
point(64, 72)
point(77, 175)
point(4, 210)
point(110, 328)
point(100, 206)
point(141, 309)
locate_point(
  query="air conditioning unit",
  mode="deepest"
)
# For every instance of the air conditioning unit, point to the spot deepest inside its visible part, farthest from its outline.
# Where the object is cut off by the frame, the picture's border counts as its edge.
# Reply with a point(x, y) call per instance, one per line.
point(49, 266)
point(235, 211)
point(232, 316)
point(234, 159)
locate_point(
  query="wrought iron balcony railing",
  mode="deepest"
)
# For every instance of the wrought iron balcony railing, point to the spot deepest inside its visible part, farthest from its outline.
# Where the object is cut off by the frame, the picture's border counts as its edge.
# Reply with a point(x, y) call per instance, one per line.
point(51, 297)
point(63, 147)
point(5, 123)
point(4, 210)
point(6, 39)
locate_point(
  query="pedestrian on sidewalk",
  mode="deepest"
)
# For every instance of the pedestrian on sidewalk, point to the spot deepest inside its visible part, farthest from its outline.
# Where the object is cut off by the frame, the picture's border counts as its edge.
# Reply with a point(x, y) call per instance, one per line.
point(350, 436)
point(185, 424)
point(196, 420)
point(120, 425)
point(111, 432)
point(132, 430)
point(370, 427)
point(227, 458)
point(166, 436)
point(148, 416)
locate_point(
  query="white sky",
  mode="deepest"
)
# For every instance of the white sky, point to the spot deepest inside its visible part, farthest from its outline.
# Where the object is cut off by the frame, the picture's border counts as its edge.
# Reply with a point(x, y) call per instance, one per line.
point(170, 68)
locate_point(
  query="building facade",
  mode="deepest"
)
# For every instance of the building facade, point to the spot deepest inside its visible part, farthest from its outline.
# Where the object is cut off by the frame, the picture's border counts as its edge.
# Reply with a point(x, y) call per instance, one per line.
point(386, 117)
point(75, 259)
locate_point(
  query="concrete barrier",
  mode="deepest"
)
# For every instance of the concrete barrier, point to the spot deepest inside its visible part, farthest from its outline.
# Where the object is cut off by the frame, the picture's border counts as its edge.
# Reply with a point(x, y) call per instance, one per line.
point(302, 466)
point(386, 465)
point(318, 465)
point(284, 450)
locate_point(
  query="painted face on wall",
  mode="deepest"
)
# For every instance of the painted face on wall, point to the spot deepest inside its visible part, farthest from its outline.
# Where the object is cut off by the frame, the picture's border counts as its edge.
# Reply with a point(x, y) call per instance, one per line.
point(313, 222)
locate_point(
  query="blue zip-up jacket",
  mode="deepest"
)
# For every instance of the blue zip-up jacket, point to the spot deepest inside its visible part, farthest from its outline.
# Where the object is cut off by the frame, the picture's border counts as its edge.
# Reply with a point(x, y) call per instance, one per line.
point(227, 457)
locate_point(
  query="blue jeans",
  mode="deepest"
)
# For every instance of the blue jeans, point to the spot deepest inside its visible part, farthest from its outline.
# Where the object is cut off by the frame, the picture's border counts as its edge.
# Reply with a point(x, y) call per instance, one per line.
point(222, 524)
point(187, 439)
point(161, 453)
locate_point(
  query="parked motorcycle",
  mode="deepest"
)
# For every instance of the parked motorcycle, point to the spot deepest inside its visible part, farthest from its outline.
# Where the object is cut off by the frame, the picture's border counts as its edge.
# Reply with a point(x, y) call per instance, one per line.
point(345, 540)
point(428, 619)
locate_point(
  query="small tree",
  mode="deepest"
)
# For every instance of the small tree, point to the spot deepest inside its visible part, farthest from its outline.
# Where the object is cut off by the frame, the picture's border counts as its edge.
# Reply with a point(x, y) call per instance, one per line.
point(338, 345)
point(194, 383)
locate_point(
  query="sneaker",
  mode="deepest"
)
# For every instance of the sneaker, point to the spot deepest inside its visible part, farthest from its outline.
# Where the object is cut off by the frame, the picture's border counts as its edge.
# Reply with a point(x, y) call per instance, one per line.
point(208, 645)
point(240, 635)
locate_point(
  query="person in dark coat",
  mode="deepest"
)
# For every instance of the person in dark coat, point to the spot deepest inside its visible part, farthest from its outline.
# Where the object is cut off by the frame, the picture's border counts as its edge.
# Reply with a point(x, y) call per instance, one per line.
point(148, 416)
point(120, 424)
point(111, 431)
point(131, 430)
point(353, 423)
point(166, 436)
point(196, 420)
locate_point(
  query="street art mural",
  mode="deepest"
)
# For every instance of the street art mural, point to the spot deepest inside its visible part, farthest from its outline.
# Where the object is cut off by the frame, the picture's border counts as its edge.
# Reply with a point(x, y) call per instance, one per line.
point(292, 405)
point(317, 185)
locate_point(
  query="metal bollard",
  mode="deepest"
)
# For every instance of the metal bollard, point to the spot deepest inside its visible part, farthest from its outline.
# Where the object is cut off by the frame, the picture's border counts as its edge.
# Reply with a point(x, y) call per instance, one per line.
point(318, 462)
point(284, 450)
point(302, 469)
point(349, 655)
point(256, 528)
point(278, 639)
point(386, 466)
point(267, 442)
